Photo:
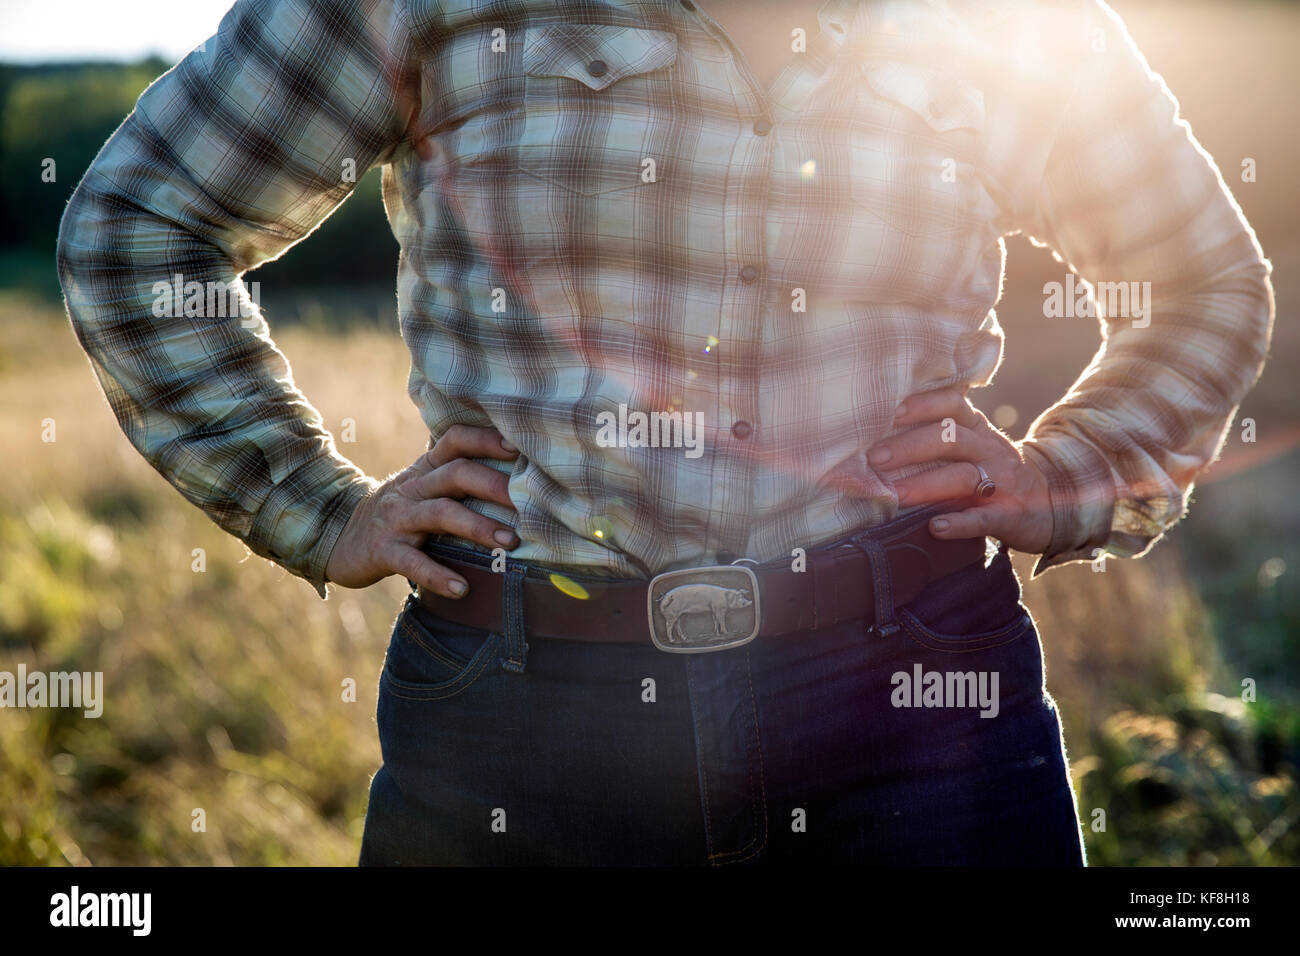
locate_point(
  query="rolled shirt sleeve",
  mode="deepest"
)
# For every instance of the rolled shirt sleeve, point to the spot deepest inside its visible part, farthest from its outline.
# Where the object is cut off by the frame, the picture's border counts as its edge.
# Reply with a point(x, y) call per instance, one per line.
point(1129, 196)
point(227, 160)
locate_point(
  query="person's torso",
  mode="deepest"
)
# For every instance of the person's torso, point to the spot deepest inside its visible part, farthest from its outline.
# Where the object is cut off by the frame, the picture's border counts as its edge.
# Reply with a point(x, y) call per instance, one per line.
point(607, 216)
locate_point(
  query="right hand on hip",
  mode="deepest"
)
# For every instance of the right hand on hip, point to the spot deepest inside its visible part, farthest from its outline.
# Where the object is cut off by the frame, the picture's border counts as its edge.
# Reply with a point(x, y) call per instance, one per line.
point(384, 533)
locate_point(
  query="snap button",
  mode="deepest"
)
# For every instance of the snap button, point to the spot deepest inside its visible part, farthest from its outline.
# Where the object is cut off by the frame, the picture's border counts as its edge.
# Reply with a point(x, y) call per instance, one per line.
point(742, 430)
point(762, 127)
point(597, 68)
point(748, 274)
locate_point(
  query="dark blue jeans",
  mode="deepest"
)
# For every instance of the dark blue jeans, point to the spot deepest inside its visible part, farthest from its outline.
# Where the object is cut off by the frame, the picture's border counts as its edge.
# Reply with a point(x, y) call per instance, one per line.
point(936, 745)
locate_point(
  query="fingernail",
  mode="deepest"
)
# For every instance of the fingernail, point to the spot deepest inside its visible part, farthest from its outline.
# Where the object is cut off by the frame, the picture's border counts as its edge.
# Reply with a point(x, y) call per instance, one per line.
point(939, 524)
point(505, 538)
point(901, 410)
point(878, 456)
point(902, 496)
point(457, 587)
point(507, 446)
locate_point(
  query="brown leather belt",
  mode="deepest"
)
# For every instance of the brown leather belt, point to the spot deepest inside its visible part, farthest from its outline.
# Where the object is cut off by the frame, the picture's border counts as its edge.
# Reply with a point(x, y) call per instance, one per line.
point(725, 601)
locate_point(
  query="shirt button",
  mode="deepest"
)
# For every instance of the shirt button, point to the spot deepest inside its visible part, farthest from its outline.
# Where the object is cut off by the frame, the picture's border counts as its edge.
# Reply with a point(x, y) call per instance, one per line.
point(936, 110)
point(748, 274)
point(742, 430)
point(597, 68)
point(762, 127)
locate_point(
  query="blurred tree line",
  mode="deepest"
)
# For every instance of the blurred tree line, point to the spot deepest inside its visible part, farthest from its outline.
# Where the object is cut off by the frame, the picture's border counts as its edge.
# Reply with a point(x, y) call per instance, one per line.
point(67, 111)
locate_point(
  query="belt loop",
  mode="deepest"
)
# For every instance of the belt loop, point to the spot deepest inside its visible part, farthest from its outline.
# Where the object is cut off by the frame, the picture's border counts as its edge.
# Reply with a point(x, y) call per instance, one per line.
point(512, 613)
point(882, 588)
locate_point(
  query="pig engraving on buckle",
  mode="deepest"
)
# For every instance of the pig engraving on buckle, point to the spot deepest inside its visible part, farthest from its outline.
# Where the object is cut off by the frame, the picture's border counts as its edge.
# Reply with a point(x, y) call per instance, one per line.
point(697, 610)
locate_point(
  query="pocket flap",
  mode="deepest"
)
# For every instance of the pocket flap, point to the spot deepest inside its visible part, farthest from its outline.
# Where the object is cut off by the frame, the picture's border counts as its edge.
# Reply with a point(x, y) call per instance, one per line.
point(944, 102)
point(595, 54)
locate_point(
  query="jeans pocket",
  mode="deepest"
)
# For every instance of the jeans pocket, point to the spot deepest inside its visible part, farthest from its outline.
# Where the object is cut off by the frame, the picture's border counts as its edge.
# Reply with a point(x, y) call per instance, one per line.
point(972, 609)
point(430, 658)
point(961, 643)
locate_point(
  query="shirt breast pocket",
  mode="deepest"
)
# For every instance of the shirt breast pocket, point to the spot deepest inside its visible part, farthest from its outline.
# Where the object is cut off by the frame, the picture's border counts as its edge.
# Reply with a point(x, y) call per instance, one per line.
point(917, 151)
point(595, 100)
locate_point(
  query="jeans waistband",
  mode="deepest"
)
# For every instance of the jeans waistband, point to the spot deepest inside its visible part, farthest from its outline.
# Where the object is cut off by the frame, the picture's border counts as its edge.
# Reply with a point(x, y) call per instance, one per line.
point(893, 528)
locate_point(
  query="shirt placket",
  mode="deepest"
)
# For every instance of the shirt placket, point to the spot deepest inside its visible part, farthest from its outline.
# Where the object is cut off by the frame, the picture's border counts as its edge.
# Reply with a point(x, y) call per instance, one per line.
point(747, 290)
point(744, 291)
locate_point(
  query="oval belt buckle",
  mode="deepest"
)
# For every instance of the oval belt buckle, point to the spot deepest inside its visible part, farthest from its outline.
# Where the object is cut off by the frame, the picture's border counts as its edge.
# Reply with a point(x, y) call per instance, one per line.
point(698, 610)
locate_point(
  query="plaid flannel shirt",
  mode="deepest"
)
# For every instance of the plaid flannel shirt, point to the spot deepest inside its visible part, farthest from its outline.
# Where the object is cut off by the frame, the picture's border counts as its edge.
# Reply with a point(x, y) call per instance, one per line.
point(599, 206)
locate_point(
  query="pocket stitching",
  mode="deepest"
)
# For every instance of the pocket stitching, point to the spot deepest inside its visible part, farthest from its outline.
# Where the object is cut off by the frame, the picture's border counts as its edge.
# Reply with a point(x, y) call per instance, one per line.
point(565, 59)
point(441, 691)
point(443, 657)
point(886, 81)
point(920, 634)
point(469, 671)
point(561, 67)
point(947, 87)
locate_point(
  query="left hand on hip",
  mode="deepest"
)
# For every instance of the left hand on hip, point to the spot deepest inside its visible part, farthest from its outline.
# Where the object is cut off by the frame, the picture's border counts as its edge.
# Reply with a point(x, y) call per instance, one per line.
point(1019, 513)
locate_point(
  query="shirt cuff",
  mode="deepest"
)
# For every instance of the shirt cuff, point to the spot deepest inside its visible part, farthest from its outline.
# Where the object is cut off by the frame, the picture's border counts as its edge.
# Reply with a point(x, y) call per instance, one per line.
point(1081, 488)
point(333, 523)
point(299, 523)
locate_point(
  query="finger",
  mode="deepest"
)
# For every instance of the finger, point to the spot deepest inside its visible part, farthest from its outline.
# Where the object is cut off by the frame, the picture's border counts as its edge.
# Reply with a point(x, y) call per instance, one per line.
point(414, 565)
point(957, 480)
point(930, 442)
point(461, 478)
point(971, 523)
point(420, 466)
point(937, 405)
point(475, 442)
point(443, 515)
point(469, 441)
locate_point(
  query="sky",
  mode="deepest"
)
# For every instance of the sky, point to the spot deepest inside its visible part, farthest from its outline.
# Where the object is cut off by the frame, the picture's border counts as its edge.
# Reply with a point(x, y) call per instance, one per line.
point(41, 30)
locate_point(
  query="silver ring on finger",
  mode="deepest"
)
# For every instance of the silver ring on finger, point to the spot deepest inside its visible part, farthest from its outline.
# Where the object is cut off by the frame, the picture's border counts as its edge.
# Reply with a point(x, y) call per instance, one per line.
point(987, 487)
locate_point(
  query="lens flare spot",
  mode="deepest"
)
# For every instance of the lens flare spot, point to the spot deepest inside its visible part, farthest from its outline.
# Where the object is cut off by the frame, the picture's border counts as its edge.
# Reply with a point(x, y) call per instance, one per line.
point(1270, 571)
point(571, 588)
